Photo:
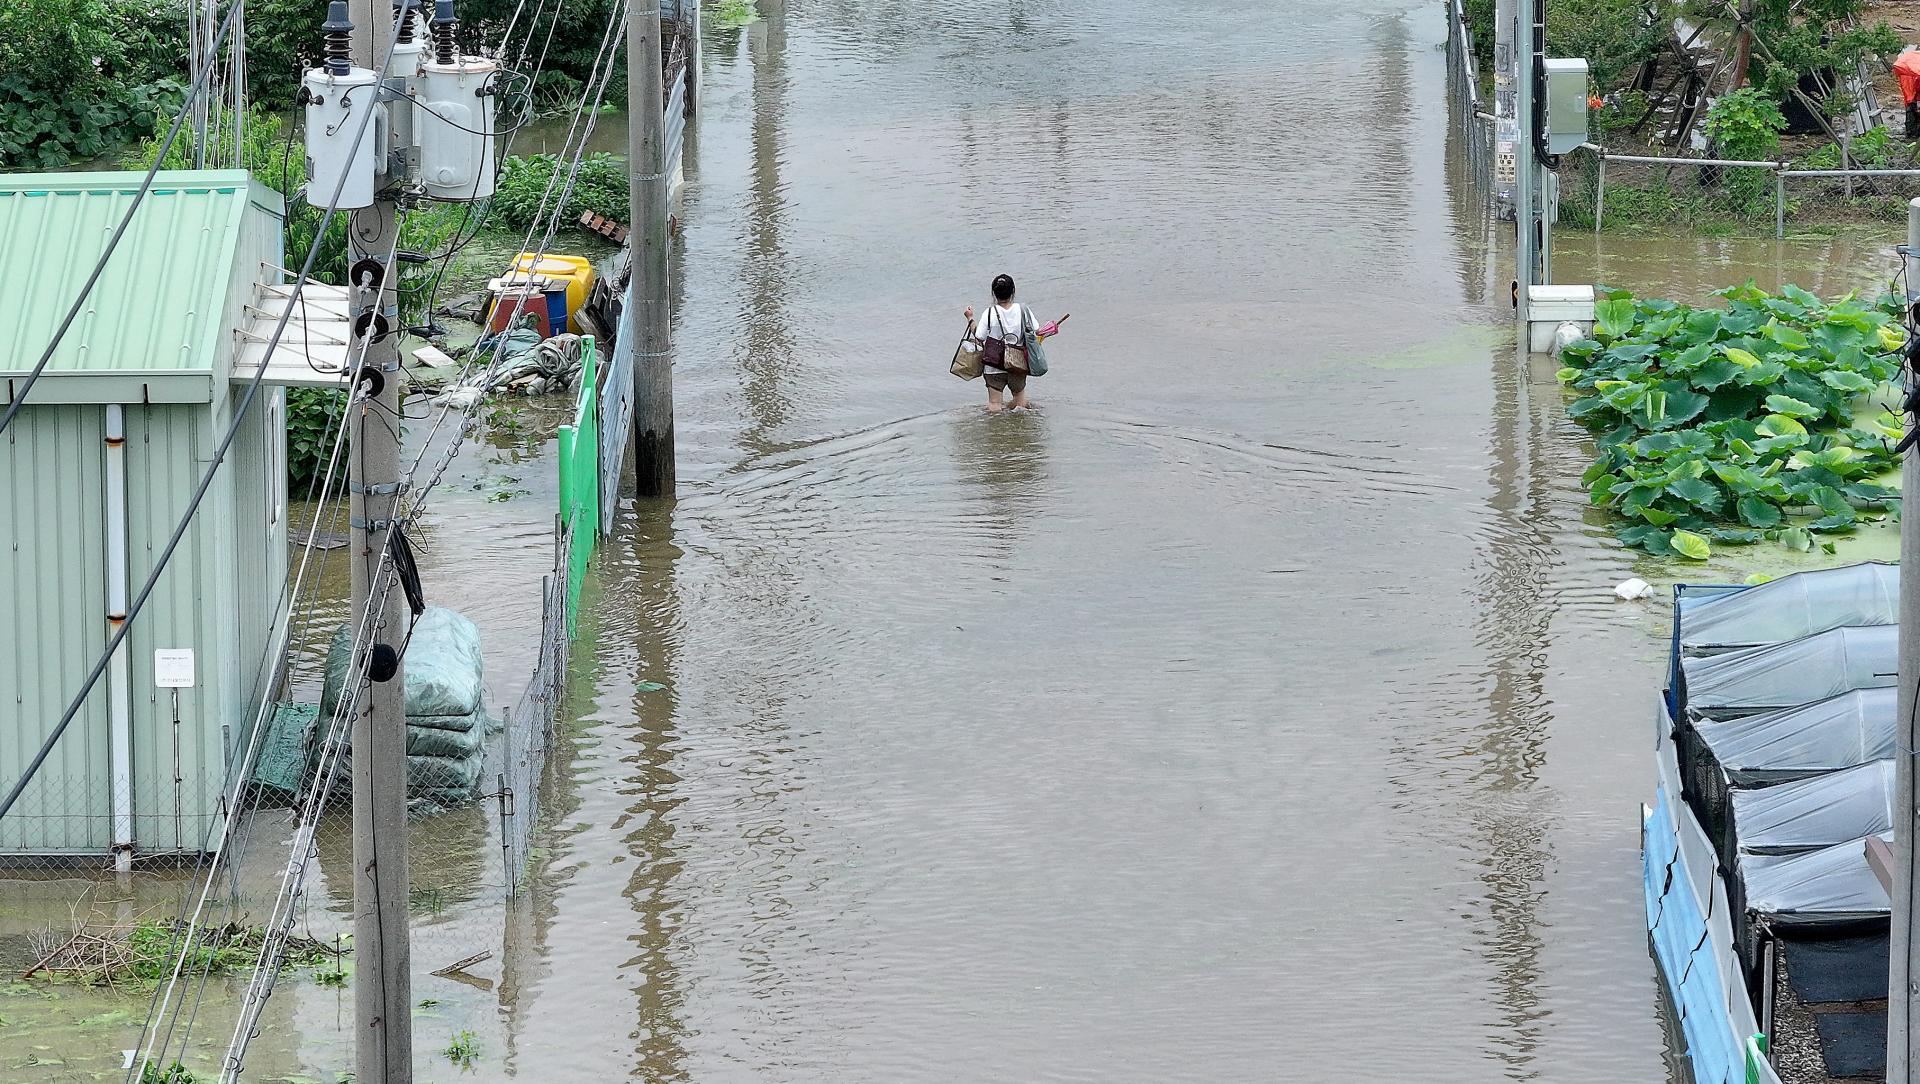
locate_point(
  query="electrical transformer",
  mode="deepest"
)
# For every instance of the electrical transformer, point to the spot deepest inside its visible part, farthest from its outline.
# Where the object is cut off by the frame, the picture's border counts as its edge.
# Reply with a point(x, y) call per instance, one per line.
point(342, 141)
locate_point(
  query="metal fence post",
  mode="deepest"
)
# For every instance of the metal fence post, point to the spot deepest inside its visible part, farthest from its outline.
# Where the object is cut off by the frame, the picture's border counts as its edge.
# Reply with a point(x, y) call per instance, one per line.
point(1600, 194)
point(1780, 204)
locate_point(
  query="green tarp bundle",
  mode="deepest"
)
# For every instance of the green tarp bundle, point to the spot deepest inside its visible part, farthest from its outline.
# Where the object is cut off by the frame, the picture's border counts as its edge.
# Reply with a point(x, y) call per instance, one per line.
point(447, 725)
point(444, 672)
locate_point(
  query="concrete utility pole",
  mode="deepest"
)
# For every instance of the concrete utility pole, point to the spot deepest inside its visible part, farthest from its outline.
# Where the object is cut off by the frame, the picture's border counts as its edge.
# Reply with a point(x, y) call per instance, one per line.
point(1531, 184)
point(650, 315)
point(1506, 127)
point(1903, 979)
point(382, 979)
point(1523, 194)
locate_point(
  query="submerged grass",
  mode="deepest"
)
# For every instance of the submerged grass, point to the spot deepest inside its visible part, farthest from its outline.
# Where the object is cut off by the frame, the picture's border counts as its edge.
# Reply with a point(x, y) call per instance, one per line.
point(147, 951)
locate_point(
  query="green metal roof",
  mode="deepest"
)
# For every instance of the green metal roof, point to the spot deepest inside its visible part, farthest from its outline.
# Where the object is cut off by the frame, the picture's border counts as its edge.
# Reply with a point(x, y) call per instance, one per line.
point(159, 308)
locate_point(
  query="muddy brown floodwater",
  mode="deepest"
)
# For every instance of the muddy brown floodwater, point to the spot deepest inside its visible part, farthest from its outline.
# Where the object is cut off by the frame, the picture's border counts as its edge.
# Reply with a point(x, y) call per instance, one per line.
point(1255, 708)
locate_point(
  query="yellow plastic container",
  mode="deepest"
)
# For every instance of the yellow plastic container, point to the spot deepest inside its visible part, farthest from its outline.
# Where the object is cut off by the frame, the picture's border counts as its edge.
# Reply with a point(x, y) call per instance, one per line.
point(577, 271)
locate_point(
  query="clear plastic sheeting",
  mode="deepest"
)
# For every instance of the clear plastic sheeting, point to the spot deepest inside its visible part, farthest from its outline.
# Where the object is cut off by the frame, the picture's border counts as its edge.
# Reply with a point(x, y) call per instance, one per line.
point(1797, 672)
point(1794, 743)
point(1817, 812)
point(1792, 607)
point(1833, 884)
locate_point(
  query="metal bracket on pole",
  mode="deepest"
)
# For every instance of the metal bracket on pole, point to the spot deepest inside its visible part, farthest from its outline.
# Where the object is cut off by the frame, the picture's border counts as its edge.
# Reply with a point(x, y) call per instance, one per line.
point(384, 489)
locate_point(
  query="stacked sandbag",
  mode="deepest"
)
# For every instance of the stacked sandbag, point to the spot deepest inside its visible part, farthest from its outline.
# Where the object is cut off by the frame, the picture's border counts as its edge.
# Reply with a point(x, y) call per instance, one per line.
point(447, 724)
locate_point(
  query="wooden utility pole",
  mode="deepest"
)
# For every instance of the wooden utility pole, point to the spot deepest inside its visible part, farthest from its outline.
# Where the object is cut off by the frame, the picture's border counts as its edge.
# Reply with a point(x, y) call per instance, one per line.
point(1903, 978)
point(649, 314)
point(382, 976)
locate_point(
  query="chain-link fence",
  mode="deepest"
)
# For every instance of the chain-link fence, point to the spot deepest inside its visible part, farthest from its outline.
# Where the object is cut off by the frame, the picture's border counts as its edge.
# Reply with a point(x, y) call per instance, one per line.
point(1601, 189)
point(1467, 107)
point(236, 877)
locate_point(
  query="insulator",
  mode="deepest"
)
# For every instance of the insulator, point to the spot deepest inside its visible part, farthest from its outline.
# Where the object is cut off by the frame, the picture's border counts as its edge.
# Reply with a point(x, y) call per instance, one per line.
point(339, 38)
point(444, 25)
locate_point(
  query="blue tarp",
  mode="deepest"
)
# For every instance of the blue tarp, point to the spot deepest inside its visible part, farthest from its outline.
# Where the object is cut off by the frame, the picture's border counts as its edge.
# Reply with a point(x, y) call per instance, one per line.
point(1693, 945)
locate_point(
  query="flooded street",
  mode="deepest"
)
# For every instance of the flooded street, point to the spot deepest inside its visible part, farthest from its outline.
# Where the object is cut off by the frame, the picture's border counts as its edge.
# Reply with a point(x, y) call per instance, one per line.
point(1255, 709)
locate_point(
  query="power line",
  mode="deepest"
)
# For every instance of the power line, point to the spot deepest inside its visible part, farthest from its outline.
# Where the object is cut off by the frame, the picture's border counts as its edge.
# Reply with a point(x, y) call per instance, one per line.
point(606, 55)
point(206, 480)
point(119, 231)
point(267, 964)
point(259, 988)
point(242, 804)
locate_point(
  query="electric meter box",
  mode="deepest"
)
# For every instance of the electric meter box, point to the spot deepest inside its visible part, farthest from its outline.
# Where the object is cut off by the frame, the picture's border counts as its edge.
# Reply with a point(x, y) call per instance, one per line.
point(1566, 105)
point(454, 123)
point(341, 140)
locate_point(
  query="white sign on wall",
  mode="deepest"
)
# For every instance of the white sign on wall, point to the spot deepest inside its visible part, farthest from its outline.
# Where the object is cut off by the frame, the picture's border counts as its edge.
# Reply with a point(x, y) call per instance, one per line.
point(173, 667)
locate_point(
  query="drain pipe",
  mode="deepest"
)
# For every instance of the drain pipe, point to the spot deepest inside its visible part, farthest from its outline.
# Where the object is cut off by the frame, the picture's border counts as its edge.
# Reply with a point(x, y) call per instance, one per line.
point(119, 690)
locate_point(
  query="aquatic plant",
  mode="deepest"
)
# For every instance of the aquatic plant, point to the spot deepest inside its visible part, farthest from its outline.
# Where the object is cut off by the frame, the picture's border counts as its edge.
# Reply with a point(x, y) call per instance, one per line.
point(152, 1073)
point(464, 1050)
point(147, 951)
point(734, 13)
point(1736, 425)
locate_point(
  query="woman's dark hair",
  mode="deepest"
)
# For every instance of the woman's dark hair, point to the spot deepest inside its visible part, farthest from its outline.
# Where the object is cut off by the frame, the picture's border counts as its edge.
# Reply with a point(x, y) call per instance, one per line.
point(1003, 288)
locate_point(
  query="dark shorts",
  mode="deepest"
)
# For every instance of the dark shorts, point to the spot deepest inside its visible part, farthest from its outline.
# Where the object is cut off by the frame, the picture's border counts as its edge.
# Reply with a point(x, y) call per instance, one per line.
point(1003, 381)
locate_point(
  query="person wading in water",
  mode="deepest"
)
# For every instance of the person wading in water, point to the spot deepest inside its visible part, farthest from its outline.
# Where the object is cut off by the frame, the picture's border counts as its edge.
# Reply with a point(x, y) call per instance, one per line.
point(1008, 323)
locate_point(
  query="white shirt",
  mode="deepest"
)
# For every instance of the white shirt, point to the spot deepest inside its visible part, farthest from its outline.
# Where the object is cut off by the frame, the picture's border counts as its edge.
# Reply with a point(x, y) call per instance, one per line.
point(1004, 320)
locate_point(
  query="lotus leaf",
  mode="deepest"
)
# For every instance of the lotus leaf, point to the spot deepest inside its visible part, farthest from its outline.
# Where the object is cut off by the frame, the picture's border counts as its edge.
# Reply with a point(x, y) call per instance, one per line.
point(1718, 425)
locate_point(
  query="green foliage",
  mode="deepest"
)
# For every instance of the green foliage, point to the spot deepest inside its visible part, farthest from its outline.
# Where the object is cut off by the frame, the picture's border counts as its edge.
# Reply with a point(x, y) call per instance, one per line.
point(283, 41)
point(79, 77)
point(601, 186)
point(1871, 149)
point(152, 1073)
point(1805, 37)
point(314, 416)
point(1721, 425)
point(1613, 35)
point(463, 1050)
point(1746, 125)
point(569, 34)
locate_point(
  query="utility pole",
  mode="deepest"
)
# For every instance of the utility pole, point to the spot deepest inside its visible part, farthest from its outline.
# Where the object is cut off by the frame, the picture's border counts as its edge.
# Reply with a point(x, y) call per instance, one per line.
point(1506, 127)
point(1531, 184)
point(649, 313)
point(1524, 259)
point(1903, 980)
point(382, 995)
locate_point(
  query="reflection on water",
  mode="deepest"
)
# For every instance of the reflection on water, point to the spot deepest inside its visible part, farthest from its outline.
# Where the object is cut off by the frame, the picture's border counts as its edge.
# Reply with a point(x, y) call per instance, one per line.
point(1235, 703)
point(1688, 268)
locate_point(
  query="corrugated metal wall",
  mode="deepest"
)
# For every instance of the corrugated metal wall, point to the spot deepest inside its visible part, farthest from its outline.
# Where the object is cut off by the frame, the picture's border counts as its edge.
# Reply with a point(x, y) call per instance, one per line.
point(193, 605)
point(53, 627)
point(258, 532)
point(217, 596)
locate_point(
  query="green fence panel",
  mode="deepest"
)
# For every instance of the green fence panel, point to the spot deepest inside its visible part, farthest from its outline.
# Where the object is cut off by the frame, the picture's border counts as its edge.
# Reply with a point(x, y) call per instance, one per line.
point(1757, 1060)
point(580, 480)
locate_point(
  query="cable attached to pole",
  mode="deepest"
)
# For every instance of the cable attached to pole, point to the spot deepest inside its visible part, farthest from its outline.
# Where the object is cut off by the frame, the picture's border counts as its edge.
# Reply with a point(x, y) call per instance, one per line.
point(199, 492)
